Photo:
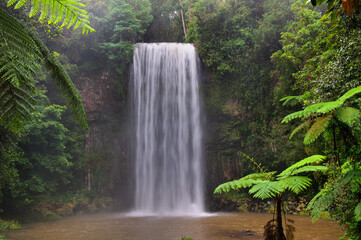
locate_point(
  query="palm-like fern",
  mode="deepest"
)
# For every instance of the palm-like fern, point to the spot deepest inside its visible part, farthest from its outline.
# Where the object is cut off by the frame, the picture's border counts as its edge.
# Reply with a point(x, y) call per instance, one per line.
point(267, 185)
point(21, 55)
point(321, 114)
point(65, 12)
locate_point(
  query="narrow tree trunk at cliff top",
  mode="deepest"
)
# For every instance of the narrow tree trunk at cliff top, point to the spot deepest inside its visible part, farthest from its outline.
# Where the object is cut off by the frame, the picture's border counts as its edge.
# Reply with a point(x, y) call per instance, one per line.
point(167, 130)
point(182, 15)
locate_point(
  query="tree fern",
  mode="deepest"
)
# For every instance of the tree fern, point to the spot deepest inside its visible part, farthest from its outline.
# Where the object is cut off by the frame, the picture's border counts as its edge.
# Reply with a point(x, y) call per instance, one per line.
point(291, 100)
point(62, 81)
point(347, 115)
point(235, 185)
point(322, 113)
point(296, 184)
point(358, 212)
point(21, 53)
point(290, 171)
point(299, 128)
point(67, 12)
point(316, 129)
point(350, 93)
point(266, 189)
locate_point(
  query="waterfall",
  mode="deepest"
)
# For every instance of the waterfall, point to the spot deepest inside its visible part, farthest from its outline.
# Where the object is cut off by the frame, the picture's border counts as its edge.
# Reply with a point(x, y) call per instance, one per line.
point(167, 130)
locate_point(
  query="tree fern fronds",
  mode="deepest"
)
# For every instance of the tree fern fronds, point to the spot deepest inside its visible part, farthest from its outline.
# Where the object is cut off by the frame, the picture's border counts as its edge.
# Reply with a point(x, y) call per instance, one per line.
point(235, 185)
point(314, 159)
point(266, 189)
point(290, 100)
point(56, 10)
point(316, 129)
point(304, 169)
point(299, 128)
point(358, 212)
point(295, 184)
point(329, 106)
point(261, 176)
point(348, 115)
point(350, 94)
point(321, 202)
point(63, 82)
point(294, 115)
point(308, 111)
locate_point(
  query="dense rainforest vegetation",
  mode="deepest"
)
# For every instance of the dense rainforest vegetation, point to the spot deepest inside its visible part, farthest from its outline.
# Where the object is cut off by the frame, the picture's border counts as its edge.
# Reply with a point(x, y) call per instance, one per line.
point(254, 53)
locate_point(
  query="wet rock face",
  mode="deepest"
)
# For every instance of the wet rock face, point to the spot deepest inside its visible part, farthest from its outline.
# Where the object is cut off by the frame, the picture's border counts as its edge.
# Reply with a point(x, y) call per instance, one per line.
point(99, 95)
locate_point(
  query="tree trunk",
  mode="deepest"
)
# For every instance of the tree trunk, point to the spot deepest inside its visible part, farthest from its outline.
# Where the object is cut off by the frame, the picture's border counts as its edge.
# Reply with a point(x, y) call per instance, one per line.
point(182, 15)
point(281, 235)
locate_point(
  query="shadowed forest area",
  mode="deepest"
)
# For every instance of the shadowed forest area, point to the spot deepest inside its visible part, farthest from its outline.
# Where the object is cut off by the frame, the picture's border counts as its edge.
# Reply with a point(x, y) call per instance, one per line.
point(280, 88)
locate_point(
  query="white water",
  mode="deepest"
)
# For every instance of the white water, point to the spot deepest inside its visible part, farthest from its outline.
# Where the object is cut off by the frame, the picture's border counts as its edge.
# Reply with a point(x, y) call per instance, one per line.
point(167, 128)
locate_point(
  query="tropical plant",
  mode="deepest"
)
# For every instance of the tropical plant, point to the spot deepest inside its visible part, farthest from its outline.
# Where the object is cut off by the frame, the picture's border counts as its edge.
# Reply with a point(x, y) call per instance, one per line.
point(323, 117)
point(22, 54)
point(265, 185)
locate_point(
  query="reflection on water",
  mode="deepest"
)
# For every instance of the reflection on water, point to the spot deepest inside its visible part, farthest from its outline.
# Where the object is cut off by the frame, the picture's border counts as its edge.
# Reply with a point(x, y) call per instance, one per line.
point(215, 227)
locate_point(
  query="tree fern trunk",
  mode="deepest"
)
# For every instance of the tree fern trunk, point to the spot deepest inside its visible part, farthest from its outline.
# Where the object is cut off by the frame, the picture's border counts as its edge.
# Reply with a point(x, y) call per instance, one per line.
point(281, 235)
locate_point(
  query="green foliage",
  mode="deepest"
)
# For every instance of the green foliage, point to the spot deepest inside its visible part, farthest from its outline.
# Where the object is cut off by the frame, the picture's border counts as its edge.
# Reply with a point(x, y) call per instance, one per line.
point(45, 163)
point(323, 113)
point(126, 24)
point(65, 12)
point(9, 225)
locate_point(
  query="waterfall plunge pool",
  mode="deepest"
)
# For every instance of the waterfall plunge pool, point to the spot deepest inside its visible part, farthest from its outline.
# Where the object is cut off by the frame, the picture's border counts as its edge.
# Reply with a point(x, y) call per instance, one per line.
point(220, 226)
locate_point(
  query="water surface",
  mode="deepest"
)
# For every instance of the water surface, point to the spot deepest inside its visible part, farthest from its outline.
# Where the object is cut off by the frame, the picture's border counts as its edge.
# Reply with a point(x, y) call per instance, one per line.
point(217, 227)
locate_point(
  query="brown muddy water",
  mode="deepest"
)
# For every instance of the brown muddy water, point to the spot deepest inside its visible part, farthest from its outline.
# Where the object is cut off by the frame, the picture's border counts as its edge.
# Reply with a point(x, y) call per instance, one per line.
point(221, 226)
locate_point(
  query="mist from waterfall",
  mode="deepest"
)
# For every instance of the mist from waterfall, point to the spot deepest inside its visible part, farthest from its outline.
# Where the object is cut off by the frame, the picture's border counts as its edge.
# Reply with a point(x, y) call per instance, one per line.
point(166, 113)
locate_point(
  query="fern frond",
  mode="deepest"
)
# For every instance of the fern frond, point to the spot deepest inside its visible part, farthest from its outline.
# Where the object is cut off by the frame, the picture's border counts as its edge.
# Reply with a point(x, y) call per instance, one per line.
point(304, 169)
point(260, 176)
point(235, 185)
point(299, 128)
point(348, 115)
point(329, 106)
point(295, 184)
point(358, 212)
point(350, 94)
point(290, 100)
point(19, 58)
point(314, 159)
point(20, 54)
point(266, 189)
point(63, 82)
point(56, 10)
point(320, 203)
point(316, 129)
point(307, 112)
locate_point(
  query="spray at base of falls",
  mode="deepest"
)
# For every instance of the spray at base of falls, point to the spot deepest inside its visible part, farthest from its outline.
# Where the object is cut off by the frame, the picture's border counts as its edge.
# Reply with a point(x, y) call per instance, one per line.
point(166, 113)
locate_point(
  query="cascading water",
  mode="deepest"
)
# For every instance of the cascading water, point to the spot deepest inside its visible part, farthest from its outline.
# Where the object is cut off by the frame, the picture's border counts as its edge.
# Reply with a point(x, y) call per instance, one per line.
point(167, 130)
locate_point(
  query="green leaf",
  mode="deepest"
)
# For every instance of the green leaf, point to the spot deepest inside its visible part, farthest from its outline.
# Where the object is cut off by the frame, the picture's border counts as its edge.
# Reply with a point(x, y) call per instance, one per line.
point(295, 184)
point(266, 189)
point(259, 176)
point(350, 93)
point(348, 115)
point(314, 159)
point(358, 212)
point(329, 106)
point(55, 10)
point(299, 128)
point(235, 184)
point(291, 100)
point(304, 169)
point(317, 128)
